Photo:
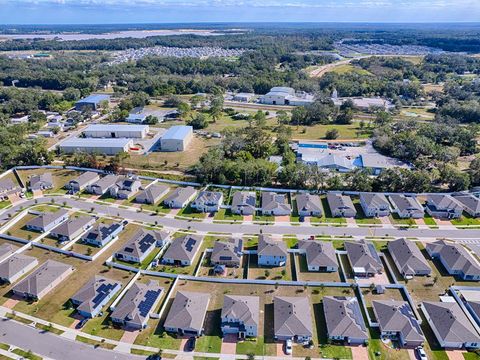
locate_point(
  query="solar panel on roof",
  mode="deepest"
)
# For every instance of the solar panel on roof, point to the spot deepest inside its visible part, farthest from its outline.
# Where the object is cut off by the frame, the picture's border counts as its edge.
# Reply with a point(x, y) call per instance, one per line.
point(102, 292)
point(146, 242)
point(145, 306)
point(190, 244)
point(128, 249)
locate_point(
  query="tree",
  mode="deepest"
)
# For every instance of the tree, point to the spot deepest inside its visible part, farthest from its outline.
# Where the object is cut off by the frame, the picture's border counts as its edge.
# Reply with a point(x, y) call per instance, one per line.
point(345, 117)
point(260, 119)
point(216, 107)
point(332, 134)
point(151, 120)
point(283, 117)
point(382, 118)
point(200, 121)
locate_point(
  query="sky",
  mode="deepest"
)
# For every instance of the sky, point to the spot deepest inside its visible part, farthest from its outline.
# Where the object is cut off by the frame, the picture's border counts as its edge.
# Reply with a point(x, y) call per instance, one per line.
point(180, 11)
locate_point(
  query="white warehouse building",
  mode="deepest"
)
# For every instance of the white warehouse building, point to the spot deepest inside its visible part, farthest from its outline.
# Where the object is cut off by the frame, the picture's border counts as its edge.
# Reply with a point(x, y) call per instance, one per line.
point(95, 146)
point(286, 96)
point(116, 131)
point(177, 138)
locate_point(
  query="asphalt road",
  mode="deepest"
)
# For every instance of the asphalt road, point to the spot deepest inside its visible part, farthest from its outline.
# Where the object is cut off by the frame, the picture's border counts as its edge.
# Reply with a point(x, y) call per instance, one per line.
point(205, 227)
point(53, 346)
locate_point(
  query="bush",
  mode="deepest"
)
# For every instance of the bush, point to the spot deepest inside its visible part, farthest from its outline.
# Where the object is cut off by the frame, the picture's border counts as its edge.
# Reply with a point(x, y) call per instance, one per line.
point(331, 134)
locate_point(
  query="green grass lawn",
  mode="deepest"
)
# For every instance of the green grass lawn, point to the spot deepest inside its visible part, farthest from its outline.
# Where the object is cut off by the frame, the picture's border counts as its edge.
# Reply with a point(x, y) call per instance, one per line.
point(209, 343)
point(226, 214)
point(190, 212)
point(252, 346)
point(466, 220)
point(395, 219)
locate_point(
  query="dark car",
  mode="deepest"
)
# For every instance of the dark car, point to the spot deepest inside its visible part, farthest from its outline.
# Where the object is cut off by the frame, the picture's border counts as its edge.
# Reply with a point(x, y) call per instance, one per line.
point(82, 323)
point(190, 345)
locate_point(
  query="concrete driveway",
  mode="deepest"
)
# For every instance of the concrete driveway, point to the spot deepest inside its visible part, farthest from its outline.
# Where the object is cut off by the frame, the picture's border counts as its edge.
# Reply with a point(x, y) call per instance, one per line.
point(229, 344)
point(359, 352)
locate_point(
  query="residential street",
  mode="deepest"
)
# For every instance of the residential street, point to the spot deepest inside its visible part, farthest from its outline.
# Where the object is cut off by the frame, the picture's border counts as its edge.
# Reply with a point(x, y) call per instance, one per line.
point(53, 346)
point(203, 227)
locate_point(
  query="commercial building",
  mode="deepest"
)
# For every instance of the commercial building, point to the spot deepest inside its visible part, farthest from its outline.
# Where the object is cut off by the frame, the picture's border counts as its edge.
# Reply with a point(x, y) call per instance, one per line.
point(136, 307)
point(95, 146)
point(286, 96)
point(187, 313)
point(91, 102)
point(240, 315)
point(116, 131)
point(177, 138)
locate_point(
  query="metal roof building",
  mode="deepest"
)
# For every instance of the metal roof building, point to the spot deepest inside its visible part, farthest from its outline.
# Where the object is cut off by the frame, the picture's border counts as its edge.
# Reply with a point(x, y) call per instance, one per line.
point(116, 131)
point(177, 138)
point(91, 102)
point(98, 146)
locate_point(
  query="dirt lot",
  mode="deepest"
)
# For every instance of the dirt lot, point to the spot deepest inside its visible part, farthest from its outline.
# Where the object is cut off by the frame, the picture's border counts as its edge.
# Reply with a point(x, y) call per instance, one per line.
point(275, 273)
point(305, 275)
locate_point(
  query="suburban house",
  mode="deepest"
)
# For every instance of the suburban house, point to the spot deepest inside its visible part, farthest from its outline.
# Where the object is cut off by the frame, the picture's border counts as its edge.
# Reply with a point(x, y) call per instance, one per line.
point(275, 204)
point(187, 313)
point(94, 295)
point(271, 252)
point(8, 187)
point(319, 255)
point(341, 205)
point(406, 206)
point(471, 204)
point(125, 187)
point(408, 258)
point(455, 258)
point(309, 205)
point(374, 204)
point(208, 201)
point(45, 278)
point(103, 185)
point(450, 325)
point(292, 318)
point(240, 315)
point(244, 203)
point(47, 221)
point(70, 229)
point(397, 321)
point(152, 194)
point(182, 250)
point(180, 197)
point(41, 182)
point(101, 234)
point(16, 266)
point(363, 258)
point(139, 246)
point(228, 252)
point(344, 320)
point(140, 300)
point(6, 250)
point(443, 206)
point(81, 182)
point(471, 300)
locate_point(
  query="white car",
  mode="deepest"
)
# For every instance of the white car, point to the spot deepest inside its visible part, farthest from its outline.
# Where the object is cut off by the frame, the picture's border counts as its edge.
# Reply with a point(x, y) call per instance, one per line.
point(422, 355)
point(288, 347)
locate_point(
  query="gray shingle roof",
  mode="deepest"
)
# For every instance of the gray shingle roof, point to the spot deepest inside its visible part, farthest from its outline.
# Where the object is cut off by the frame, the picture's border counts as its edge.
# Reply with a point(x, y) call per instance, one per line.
point(272, 201)
point(344, 318)
point(40, 181)
point(375, 200)
point(229, 250)
point(397, 316)
point(444, 202)
point(101, 231)
point(140, 242)
point(42, 277)
point(451, 323)
point(339, 201)
point(309, 202)
point(292, 316)
point(455, 256)
point(130, 308)
point(188, 311)
point(15, 264)
point(469, 201)
point(362, 254)
point(408, 256)
point(85, 178)
point(7, 249)
point(7, 185)
point(208, 197)
point(152, 194)
point(71, 226)
point(97, 288)
point(403, 202)
point(319, 253)
point(183, 248)
point(244, 199)
point(181, 194)
point(46, 218)
point(106, 181)
point(267, 246)
point(243, 308)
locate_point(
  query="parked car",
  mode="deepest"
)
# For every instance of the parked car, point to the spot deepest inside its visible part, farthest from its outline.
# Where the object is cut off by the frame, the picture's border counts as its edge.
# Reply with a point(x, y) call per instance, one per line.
point(422, 355)
point(190, 345)
point(82, 323)
point(288, 347)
